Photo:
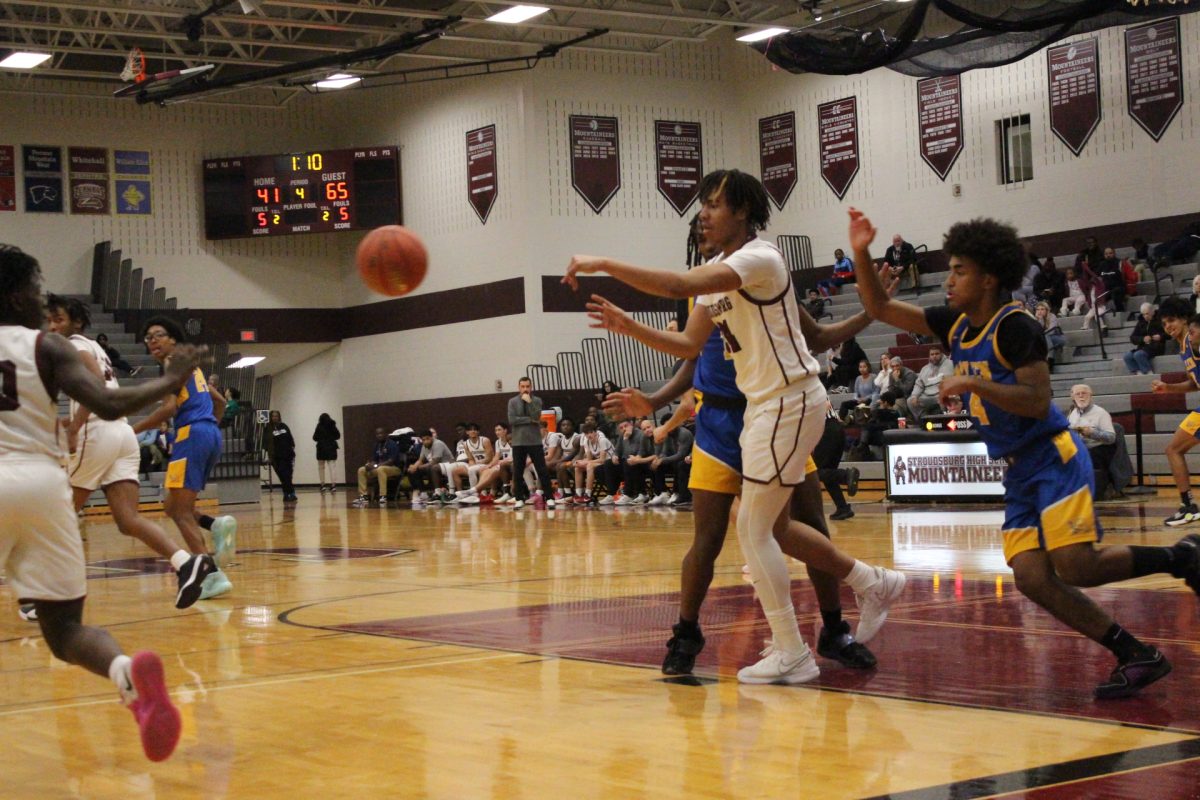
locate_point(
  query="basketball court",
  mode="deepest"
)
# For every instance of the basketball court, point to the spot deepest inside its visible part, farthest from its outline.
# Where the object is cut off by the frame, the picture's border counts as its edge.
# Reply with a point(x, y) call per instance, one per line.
point(485, 652)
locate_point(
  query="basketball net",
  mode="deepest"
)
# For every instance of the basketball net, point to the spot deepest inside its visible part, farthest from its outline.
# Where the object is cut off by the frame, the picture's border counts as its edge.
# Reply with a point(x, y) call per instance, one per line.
point(135, 66)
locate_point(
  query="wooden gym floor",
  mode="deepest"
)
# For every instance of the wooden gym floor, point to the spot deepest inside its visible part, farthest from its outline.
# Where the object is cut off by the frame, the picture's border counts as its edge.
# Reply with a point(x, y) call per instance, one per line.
point(485, 653)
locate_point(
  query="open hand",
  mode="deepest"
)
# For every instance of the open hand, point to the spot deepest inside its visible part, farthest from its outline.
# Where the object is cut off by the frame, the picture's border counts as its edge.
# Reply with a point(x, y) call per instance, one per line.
point(183, 362)
point(607, 315)
point(862, 232)
point(955, 384)
point(581, 265)
point(627, 404)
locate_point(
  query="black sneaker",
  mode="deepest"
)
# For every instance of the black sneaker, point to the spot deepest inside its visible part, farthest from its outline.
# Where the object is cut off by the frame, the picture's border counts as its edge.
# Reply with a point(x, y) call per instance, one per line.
point(1134, 674)
point(852, 481)
point(842, 513)
point(191, 579)
point(28, 612)
point(682, 649)
point(842, 648)
point(1185, 514)
point(1187, 561)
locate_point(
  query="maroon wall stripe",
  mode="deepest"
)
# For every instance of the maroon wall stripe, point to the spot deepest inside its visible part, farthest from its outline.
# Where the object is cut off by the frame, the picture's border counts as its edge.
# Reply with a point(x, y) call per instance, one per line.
point(558, 297)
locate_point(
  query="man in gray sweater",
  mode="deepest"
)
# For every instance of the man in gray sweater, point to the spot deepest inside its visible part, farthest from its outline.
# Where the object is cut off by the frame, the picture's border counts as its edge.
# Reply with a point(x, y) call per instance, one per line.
point(524, 416)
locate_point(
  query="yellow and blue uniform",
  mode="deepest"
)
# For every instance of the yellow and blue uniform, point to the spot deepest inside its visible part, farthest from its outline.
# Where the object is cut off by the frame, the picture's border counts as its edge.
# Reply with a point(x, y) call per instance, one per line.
point(1191, 363)
point(197, 445)
point(1049, 482)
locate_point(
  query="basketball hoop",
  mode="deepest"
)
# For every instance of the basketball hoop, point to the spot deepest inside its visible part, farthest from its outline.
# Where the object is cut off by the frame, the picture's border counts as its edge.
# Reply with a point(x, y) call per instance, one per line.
point(135, 66)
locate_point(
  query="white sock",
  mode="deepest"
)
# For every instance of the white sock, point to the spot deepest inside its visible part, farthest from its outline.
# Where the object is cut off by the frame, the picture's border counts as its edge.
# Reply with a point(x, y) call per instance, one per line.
point(862, 577)
point(179, 559)
point(119, 674)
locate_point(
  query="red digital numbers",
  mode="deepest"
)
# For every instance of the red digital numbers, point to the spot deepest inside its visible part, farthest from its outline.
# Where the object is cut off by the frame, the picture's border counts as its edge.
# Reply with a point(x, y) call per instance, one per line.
point(265, 195)
point(336, 191)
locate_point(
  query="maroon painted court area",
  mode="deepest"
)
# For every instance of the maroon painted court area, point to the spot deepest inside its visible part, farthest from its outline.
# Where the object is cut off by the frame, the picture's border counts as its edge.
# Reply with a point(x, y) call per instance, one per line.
point(963, 644)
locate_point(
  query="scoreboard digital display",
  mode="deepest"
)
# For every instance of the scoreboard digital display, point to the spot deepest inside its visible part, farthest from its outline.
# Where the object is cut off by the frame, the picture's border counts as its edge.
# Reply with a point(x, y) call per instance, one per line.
point(293, 193)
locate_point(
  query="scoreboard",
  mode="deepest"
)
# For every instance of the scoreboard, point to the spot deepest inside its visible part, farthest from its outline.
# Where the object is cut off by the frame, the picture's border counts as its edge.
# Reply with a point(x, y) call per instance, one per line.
point(293, 193)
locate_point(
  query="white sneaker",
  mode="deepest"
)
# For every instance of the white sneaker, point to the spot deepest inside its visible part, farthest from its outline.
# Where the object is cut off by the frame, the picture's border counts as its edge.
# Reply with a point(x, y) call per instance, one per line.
point(623, 500)
point(504, 500)
point(607, 500)
point(423, 497)
point(639, 500)
point(778, 666)
point(873, 604)
point(659, 499)
point(383, 501)
point(518, 504)
point(465, 492)
point(470, 499)
point(673, 499)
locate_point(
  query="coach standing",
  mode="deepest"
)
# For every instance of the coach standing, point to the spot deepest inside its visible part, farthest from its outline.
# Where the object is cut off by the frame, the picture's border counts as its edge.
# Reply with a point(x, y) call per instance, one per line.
point(524, 417)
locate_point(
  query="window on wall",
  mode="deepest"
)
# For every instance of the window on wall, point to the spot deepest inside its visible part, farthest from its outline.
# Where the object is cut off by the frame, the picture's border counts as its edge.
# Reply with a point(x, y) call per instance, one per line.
point(1015, 149)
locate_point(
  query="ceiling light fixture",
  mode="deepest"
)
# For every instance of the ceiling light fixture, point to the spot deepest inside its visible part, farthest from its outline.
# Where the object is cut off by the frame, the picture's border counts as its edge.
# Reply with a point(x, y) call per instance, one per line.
point(339, 80)
point(23, 60)
point(515, 14)
point(759, 35)
point(245, 361)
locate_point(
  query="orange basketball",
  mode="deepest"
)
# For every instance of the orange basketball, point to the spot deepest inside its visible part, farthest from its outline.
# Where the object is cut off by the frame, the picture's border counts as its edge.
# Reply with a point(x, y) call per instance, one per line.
point(392, 260)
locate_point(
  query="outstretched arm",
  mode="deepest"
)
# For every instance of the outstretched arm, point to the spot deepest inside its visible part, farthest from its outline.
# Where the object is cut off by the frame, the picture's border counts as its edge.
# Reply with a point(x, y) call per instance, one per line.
point(634, 403)
point(870, 287)
point(659, 282)
point(682, 344)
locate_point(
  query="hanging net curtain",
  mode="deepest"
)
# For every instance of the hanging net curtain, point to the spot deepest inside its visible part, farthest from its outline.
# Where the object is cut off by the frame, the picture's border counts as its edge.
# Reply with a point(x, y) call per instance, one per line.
point(928, 38)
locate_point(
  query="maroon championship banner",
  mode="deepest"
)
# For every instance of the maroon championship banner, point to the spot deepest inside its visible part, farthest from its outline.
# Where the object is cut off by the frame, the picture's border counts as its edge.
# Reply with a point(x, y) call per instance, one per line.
point(678, 162)
point(939, 120)
point(1074, 77)
point(837, 130)
point(595, 159)
point(8, 178)
point(481, 170)
point(89, 180)
point(1154, 75)
point(777, 155)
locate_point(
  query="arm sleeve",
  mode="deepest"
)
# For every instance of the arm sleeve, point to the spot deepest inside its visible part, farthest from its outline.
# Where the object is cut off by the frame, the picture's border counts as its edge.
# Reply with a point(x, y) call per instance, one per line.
point(1020, 340)
point(940, 320)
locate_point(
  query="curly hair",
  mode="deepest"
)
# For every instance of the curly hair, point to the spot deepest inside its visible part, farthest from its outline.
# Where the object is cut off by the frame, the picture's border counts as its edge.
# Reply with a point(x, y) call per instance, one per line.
point(992, 245)
point(173, 328)
point(742, 191)
point(17, 270)
point(1175, 307)
point(75, 309)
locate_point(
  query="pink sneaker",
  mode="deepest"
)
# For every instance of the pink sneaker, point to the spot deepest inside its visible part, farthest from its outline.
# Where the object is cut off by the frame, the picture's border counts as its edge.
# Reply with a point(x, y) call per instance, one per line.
point(538, 502)
point(156, 716)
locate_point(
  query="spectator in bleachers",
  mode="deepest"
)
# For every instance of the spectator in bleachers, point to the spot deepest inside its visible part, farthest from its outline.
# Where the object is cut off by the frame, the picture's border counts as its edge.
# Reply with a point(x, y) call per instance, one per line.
point(845, 365)
point(1095, 425)
point(384, 463)
point(639, 453)
point(815, 305)
point(1055, 340)
point(1194, 300)
point(1109, 271)
point(1148, 339)
point(866, 392)
point(843, 273)
point(672, 456)
point(901, 260)
point(953, 404)
point(1076, 301)
point(1141, 251)
point(1133, 274)
point(115, 357)
point(923, 399)
point(595, 451)
point(1024, 293)
point(1090, 255)
point(903, 379)
point(1097, 295)
point(884, 417)
point(233, 406)
point(883, 378)
point(151, 451)
point(1050, 285)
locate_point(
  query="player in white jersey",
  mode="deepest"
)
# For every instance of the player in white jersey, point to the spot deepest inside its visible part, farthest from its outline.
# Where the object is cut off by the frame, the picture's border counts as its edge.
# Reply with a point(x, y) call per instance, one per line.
point(497, 471)
point(475, 454)
point(105, 455)
point(746, 293)
point(594, 451)
point(41, 553)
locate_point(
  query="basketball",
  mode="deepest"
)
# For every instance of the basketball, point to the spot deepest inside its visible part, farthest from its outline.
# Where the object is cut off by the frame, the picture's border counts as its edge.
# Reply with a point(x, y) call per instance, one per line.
point(392, 260)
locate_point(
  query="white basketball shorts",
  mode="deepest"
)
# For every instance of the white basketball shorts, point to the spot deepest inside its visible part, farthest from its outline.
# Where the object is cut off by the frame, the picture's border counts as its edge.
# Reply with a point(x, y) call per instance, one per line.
point(108, 453)
point(780, 434)
point(41, 552)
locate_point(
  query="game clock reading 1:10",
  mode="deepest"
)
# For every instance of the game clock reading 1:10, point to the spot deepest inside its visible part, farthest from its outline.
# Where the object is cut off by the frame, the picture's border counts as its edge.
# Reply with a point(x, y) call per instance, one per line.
point(292, 193)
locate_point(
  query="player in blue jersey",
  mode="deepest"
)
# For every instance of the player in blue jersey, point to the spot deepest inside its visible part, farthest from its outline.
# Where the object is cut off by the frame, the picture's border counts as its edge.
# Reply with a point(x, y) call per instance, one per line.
point(1050, 529)
point(196, 408)
point(1184, 327)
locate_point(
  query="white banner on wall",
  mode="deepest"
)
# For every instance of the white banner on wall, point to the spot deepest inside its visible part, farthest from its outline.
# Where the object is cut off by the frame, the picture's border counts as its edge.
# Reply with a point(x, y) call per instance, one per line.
point(943, 469)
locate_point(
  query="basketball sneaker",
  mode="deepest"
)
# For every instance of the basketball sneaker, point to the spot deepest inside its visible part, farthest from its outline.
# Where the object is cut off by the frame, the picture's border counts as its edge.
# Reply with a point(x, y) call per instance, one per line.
point(518, 504)
point(607, 500)
point(28, 612)
point(486, 499)
point(852, 476)
point(157, 718)
point(624, 500)
point(1185, 514)
point(659, 499)
point(873, 604)
point(778, 666)
point(191, 579)
point(682, 649)
point(838, 645)
point(505, 500)
point(361, 501)
point(1187, 561)
point(224, 534)
point(537, 501)
point(215, 585)
point(1133, 675)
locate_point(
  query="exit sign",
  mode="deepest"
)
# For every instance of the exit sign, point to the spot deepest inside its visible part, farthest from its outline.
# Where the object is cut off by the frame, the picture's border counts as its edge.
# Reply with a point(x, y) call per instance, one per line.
point(249, 335)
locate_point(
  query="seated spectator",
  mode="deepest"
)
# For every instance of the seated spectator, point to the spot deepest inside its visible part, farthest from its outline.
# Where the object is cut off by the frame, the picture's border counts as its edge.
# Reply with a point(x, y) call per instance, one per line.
point(384, 464)
point(1097, 294)
point(901, 260)
point(903, 379)
point(1024, 293)
point(165, 440)
point(595, 451)
point(637, 466)
point(923, 398)
point(843, 273)
point(883, 378)
point(115, 357)
point(1194, 300)
point(1110, 273)
point(151, 452)
point(233, 406)
point(1050, 285)
point(866, 392)
point(1095, 426)
point(1055, 339)
point(1132, 273)
point(827, 455)
point(1090, 255)
point(952, 404)
point(815, 305)
point(427, 472)
point(1148, 340)
point(1141, 251)
point(1076, 301)
point(845, 365)
point(568, 445)
point(672, 456)
point(884, 417)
